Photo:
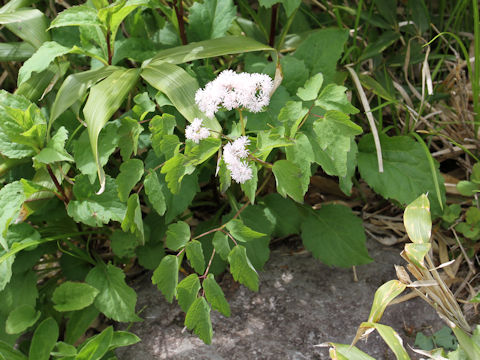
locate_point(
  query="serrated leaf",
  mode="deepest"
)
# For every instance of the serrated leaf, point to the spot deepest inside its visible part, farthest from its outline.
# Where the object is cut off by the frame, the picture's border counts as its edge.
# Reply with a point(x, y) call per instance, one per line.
point(154, 192)
point(115, 299)
point(401, 155)
point(333, 97)
point(196, 154)
point(335, 236)
point(210, 19)
point(44, 340)
point(92, 209)
point(131, 172)
point(178, 235)
point(12, 197)
point(187, 291)
point(249, 187)
point(321, 51)
point(198, 320)
point(221, 245)
point(144, 105)
point(123, 244)
point(55, 149)
point(241, 268)
point(105, 98)
point(81, 15)
point(241, 232)
point(40, 60)
point(195, 255)
point(278, 209)
point(71, 296)
point(331, 139)
point(215, 295)
point(288, 178)
point(175, 169)
point(165, 276)
point(129, 133)
point(311, 88)
point(133, 220)
point(21, 318)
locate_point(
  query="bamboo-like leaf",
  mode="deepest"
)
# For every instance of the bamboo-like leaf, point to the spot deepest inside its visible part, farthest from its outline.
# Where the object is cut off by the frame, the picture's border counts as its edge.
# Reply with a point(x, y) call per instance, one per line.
point(16, 51)
point(416, 253)
point(417, 220)
point(75, 87)
point(180, 87)
point(383, 296)
point(27, 24)
point(105, 98)
point(206, 49)
point(393, 340)
point(467, 344)
point(347, 352)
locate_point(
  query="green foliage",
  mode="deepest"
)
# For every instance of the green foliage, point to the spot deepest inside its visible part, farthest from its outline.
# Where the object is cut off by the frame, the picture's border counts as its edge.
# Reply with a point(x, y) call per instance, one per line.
point(165, 276)
point(21, 318)
point(198, 320)
point(210, 19)
point(71, 296)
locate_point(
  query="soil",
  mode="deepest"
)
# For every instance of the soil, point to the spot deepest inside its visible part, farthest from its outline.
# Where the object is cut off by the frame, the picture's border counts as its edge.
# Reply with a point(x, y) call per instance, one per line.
point(301, 304)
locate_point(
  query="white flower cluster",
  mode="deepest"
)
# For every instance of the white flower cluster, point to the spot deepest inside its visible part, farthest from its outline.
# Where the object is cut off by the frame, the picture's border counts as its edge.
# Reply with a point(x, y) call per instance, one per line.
point(196, 132)
point(231, 90)
point(233, 153)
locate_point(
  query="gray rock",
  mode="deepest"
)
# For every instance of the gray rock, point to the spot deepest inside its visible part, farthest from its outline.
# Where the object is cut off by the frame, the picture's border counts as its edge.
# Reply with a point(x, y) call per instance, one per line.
point(301, 303)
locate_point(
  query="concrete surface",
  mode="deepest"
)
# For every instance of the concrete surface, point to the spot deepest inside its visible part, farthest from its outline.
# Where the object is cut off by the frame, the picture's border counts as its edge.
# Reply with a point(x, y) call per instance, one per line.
point(301, 303)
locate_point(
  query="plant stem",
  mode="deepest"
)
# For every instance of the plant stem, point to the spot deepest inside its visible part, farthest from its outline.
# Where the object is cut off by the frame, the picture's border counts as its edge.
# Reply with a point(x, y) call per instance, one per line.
point(273, 25)
point(242, 123)
point(109, 48)
point(59, 187)
point(208, 266)
point(178, 6)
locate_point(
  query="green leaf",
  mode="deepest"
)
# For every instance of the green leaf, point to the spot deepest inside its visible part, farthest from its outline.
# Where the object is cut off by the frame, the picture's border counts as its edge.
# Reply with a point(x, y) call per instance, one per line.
point(289, 5)
point(347, 352)
point(28, 24)
point(123, 338)
point(64, 350)
point(41, 59)
point(335, 236)
point(195, 255)
point(8, 352)
point(383, 296)
point(97, 346)
point(175, 169)
point(215, 296)
point(144, 105)
point(241, 268)
point(311, 88)
point(401, 155)
point(196, 154)
point(241, 232)
point(129, 132)
point(249, 187)
point(321, 51)
point(116, 299)
point(105, 98)
point(178, 235)
point(85, 160)
point(154, 192)
point(383, 42)
point(133, 220)
point(187, 291)
point(74, 87)
point(331, 140)
point(207, 49)
point(221, 245)
point(417, 220)
point(81, 15)
point(55, 149)
point(71, 296)
point(278, 209)
point(420, 15)
point(79, 322)
point(131, 172)
point(43, 340)
point(165, 276)
point(333, 97)
point(180, 88)
point(198, 320)
point(123, 244)
point(92, 209)
point(210, 19)
point(393, 340)
point(345, 182)
point(467, 188)
point(288, 177)
point(12, 197)
point(16, 51)
point(21, 318)
point(467, 344)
